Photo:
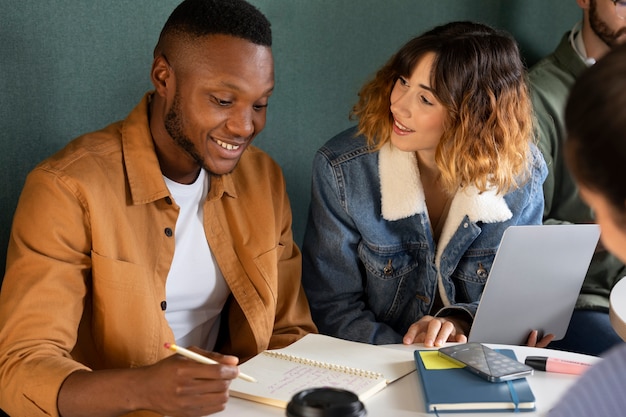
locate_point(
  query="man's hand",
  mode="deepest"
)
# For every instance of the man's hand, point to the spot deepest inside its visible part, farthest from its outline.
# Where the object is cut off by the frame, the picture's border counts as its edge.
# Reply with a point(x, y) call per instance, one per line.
point(174, 386)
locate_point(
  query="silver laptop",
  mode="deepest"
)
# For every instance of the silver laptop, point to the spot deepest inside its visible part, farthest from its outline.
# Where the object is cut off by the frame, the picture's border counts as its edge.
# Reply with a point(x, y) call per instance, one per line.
point(534, 282)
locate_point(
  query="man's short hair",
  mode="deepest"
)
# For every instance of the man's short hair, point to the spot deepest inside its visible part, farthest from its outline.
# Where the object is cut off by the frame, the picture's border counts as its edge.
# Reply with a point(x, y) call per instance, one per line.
point(199, 18)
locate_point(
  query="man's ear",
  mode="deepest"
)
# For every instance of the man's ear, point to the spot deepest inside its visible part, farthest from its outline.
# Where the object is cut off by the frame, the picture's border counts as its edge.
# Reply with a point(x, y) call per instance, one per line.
point(161, 75)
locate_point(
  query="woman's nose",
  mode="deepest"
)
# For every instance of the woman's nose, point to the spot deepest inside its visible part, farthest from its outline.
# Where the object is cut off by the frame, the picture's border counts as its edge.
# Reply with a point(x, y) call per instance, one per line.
point(399, 105)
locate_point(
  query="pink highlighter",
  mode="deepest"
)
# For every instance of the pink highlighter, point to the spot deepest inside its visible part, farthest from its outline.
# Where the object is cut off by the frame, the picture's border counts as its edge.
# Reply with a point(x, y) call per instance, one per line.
point(562, 366)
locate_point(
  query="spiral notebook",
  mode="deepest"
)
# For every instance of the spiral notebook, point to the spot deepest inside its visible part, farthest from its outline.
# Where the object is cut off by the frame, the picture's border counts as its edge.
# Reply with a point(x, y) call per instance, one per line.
point(321, 361)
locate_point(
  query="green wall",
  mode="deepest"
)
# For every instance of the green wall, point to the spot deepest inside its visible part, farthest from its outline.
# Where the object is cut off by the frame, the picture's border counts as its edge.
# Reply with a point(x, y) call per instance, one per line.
point(68, 67)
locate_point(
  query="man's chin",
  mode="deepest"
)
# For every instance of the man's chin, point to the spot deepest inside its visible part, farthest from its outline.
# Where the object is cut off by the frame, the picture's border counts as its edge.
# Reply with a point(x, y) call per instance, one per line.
point(221, 168)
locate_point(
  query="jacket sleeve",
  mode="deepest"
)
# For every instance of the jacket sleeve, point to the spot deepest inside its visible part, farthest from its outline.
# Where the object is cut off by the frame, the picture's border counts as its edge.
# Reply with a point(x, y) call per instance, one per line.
point(332, 273)
point(532, 211)
point(41, 302)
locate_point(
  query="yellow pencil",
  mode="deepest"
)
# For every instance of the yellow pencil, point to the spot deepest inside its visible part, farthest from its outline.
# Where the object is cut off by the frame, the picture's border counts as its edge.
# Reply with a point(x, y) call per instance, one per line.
point(202, 359)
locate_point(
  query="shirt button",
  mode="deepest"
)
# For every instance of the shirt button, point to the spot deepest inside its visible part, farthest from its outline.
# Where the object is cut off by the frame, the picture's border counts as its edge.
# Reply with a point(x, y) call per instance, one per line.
point(168, 200)
point(163, 305)
point(168, 232)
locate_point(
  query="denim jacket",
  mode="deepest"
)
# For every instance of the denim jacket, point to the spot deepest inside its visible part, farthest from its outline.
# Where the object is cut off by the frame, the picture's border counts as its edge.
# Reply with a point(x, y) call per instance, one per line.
point(371, 266)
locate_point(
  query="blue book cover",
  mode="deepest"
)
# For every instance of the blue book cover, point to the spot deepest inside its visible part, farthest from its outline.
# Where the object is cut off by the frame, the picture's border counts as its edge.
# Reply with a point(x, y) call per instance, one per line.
point(450, 388)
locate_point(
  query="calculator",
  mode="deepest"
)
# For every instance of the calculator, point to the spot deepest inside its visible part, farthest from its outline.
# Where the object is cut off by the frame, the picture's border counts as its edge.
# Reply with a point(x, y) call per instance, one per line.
point(486, 362)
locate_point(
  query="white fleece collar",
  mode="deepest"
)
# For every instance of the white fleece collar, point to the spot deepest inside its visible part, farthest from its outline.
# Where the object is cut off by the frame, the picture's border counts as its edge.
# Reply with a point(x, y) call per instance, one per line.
point(402, 195)
point(400, 186)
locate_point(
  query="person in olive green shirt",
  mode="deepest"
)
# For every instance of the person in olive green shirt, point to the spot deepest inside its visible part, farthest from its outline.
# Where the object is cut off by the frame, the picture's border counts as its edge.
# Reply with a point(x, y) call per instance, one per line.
point(603, 26)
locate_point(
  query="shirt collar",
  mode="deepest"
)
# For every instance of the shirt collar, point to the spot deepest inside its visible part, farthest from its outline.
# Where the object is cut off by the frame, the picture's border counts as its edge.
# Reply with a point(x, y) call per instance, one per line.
point(576, 40)
point(145, 178)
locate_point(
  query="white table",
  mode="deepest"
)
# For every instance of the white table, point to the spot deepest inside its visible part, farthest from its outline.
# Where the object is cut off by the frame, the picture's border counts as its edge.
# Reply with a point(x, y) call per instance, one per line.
point(617, 308)
point(404, 397)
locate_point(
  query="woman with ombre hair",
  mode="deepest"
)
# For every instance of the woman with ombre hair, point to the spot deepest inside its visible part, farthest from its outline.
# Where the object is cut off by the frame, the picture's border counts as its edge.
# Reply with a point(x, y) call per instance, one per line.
point(408, 208)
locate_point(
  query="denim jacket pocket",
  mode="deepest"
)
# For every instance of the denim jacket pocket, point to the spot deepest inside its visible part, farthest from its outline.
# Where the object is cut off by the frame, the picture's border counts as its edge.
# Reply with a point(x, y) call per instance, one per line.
point(471, 275)
point(388, 287)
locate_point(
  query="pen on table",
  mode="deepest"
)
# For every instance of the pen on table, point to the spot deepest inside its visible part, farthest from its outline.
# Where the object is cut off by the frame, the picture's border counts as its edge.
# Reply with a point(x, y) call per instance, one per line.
point(562, 366)
point(202, 359)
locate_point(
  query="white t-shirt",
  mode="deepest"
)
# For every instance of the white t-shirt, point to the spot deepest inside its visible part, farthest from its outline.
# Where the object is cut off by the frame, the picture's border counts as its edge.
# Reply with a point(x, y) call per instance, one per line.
point(195, 290)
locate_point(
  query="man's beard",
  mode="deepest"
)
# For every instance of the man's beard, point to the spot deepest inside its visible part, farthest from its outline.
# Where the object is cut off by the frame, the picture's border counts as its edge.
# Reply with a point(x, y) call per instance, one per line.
point(174, 126)
point(601, 29)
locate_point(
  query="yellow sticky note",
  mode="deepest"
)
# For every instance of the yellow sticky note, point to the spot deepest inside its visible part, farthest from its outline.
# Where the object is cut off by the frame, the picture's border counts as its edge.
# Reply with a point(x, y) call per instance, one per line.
point(432, 360)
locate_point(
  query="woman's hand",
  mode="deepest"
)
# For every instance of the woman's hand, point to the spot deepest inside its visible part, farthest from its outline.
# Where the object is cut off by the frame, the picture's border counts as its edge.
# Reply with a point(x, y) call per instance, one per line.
point(532, 339)
point(436, 331)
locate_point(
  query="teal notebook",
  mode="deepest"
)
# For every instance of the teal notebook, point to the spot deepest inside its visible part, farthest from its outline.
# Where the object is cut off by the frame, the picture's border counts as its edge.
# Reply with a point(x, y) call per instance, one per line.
point(450, 388)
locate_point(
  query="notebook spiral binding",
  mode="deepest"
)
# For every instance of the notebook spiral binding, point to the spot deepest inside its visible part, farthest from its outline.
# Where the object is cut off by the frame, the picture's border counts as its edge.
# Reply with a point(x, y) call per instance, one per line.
point(338, 368)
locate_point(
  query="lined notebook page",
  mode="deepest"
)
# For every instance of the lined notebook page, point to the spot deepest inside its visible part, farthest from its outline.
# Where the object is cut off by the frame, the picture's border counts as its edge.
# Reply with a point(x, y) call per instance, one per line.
point(321, 361)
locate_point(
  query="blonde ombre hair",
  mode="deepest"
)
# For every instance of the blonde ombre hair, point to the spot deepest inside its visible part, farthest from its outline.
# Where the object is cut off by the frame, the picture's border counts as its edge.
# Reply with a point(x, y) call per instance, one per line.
point(479, 77)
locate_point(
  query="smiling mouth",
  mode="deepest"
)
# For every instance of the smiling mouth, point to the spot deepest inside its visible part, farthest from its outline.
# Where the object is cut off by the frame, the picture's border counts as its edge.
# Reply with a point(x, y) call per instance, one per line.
point(227, 146)
point(401, 127)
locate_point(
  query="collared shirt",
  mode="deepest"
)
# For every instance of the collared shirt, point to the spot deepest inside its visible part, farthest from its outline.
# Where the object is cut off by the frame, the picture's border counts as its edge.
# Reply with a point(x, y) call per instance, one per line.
point(90, 250)
point(576, 40)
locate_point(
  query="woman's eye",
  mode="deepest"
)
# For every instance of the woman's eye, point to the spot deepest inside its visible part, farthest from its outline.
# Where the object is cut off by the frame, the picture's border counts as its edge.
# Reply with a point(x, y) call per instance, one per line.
point(403, 81)
point(260, 106)
point(425, 100)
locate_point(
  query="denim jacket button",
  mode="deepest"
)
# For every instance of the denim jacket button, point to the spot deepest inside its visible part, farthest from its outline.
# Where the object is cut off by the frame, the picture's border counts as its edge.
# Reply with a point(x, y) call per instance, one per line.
point(481, 271)
point(423, 298)
point(388, 269)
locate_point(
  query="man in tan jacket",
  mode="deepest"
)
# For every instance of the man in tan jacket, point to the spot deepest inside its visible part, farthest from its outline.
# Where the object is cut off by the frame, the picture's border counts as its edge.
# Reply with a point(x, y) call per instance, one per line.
point(164, 227)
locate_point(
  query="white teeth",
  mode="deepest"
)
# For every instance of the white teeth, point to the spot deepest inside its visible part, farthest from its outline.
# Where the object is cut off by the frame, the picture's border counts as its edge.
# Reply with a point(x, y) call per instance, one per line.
point(403, 128)
point(227, 145)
